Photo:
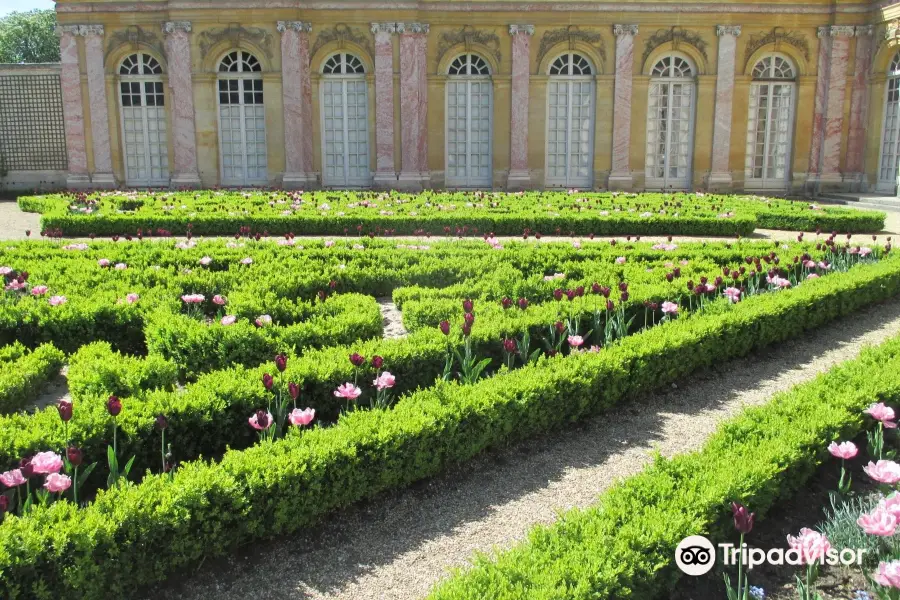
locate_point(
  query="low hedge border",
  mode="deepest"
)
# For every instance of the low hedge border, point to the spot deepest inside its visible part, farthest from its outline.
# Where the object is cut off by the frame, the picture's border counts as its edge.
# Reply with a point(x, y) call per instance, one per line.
point(139, 534)
point(23, 377)
point(624, 545)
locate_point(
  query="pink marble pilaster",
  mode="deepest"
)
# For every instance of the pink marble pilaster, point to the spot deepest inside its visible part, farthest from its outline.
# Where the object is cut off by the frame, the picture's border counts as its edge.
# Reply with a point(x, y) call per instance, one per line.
point(73, 109)
point(385, 171)
point(859, 102)
point(296, 97)
point(184, 138)
point(720, 173)
point(834, 114)
point(820, 105)
point(620, 177)
point(519, 175)
point(413, 105)
point(96, 77)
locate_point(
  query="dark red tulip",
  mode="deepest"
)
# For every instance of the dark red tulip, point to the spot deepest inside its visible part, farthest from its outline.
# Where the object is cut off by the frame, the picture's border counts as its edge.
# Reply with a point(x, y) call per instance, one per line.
point(294, 390)
point(669, 277)
point(743, 520)
point(161, 422)
point(469, 318)
point(467, 305)
point(509, 345)
point(595, 287)
point(445, 327)
point(623, 286)
point(281, 362)
point(64, 407)
point(114, 406)
point(506, 302)
point(262, 419)
point(570, 294)
point(26, 467)
point(466, 329)
point(623, 296)
point(579, 291)
point(377, 361)
point(676, 271)
point(267, 381)
point(357, 359)
point(559, 327)
point(557, 294)
point(690, 284)
point(735, 274)
point(75, 456)
point(610, 305)
point(523, 303)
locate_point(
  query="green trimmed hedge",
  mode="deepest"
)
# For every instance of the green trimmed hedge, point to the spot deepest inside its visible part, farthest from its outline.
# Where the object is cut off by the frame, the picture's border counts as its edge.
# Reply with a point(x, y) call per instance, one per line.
point(98, 370)
point(139, 534)
point(24, 373)
point(624, 545)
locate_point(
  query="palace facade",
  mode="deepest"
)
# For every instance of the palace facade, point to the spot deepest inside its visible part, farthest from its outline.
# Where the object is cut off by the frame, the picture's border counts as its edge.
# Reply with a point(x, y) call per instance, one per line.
point(774, 96)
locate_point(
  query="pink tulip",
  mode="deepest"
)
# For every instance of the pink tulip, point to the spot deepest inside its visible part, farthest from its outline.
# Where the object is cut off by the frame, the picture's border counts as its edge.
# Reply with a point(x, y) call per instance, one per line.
point(228, 320)
point(348, 391)
point(193, 298)
point(263, 320)
point(882, 413)
point(812, 545)
point(261, 420)
point(57, 300)
point(206, 261)
point(669, 308)
point(891, 504)
point(132, 298)
point(301, 418)
point(103, 262)
point(247, 261)
point(12, 478)
point(120, 266)
point(844, 450)
point(888, 574)
point(329, 243)
point(879, 522)
point(385, 380)
point(812, 276)
point(39, 290)
point(57, 483)
point(5, 271)
point(884, 471)
point(15, 285)
point(219, 300)
point(620, 260)
point(733, 294)
point(575, 341)
point(46, 462)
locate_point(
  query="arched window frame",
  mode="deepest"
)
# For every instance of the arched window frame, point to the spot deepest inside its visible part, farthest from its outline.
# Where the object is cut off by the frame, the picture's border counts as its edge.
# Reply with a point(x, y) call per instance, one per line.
point(772, 68)
point(670, 70)
point(140, 85)
point(469, 76)
point(346, 68)
point(239, 75)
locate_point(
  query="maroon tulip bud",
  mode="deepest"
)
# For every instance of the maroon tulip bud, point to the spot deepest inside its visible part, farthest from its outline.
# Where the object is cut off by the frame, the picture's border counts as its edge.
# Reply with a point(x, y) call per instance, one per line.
point(557, 294)
point(690, 284)
point(551, 353)
point(445, 327)
point(718, 282)
point(509, 345)
point(742, 270)
point(322, 295)
point(743, 520)
point(4, 504)
point(735, 274)
point(469, 318)
point(612, 242)
point(595, 287)
point(623, 286)
point(262, 419)
point(161, 422)
point(377, 361)
point(654, 306)
point(267, 381)
point(506, 302)
point(704, 280)
point(523, 303)
point(26, 467)
point(281, 362)
point(75, 456)
point(748, 259)
point(676, 271)
point(570, 294)
point(579, 291)
point(114, 406)
point(610, 305)
point(725, 271)
point(467, 305)
point(332, 284)
point(64, 407)
point(669, 277)
point(467, 329)
point(559, 327)
point(357, 359)
point(294, 390)
point(623, 296)
point(28, 233)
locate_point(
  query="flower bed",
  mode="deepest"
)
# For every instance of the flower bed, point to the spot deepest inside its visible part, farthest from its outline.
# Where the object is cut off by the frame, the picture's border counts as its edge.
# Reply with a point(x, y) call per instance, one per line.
point(136, 534)
point(217, 212)
point(23, 373)
point(624, 546)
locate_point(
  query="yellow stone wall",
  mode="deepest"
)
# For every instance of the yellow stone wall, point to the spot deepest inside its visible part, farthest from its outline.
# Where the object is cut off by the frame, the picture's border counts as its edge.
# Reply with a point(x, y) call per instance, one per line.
point(494, 18)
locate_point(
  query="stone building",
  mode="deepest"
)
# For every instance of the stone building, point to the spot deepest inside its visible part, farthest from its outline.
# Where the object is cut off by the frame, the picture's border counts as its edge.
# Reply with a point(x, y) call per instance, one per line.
point(775, 96)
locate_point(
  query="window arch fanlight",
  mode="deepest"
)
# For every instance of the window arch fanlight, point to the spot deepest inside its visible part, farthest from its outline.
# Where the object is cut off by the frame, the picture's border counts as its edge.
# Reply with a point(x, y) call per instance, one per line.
point(672, 66)
point(894, 69)
point(239, 61)
point(140, 63)
point(343, 63)
point(772, 68)
point(468, 64)
point(571, 63)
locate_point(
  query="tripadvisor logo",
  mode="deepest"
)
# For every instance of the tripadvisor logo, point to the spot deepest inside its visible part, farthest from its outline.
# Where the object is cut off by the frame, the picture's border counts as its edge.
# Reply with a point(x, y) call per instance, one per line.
point(696, 555)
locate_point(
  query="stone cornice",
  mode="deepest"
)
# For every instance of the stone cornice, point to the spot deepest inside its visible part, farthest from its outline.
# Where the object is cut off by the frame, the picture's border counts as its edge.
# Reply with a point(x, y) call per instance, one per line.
point(412, 28)
point(298, 26)
point(82, 30)
point(388, 27)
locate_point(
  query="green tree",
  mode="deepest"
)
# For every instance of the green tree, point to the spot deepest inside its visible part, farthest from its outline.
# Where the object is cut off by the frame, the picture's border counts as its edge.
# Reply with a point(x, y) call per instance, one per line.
point(29, 37)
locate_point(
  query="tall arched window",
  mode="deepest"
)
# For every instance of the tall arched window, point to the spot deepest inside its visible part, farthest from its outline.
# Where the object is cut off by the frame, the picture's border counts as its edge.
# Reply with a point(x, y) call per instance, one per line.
point(143, 116)
point(570, 122)
point(670, 124)
point(770, 124)
point(468, 122)
point(889, 163)
point(345, 123)
point(242, 120)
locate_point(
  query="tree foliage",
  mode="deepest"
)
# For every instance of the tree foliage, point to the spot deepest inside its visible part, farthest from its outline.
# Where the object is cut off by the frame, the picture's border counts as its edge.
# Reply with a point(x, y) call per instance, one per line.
point(29, 37)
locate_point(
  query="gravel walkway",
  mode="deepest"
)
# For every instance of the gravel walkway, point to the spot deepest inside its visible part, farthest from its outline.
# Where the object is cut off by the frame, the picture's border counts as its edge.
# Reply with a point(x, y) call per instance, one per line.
point(397, 546)
point(391, 317)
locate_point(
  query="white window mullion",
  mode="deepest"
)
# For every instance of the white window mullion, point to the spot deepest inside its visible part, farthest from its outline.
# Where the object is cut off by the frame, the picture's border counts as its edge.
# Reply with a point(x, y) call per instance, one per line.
point(346, 139)
point(569, 94)
point(468, 132)
point(148, 160)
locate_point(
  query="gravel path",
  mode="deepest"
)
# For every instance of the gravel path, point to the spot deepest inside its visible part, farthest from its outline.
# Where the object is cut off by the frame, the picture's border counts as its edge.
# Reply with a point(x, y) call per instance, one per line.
point(397, 546)
point(391, 318)
point(55, 390)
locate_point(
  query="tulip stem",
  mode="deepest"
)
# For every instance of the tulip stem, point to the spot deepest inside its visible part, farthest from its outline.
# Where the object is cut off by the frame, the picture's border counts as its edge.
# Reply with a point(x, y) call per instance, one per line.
point(163, 450)
point(75, 486)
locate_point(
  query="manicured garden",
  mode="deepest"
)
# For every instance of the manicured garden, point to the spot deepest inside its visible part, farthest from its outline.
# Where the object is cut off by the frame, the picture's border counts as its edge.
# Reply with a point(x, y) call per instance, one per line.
point(566, 213)
point(227, 391)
